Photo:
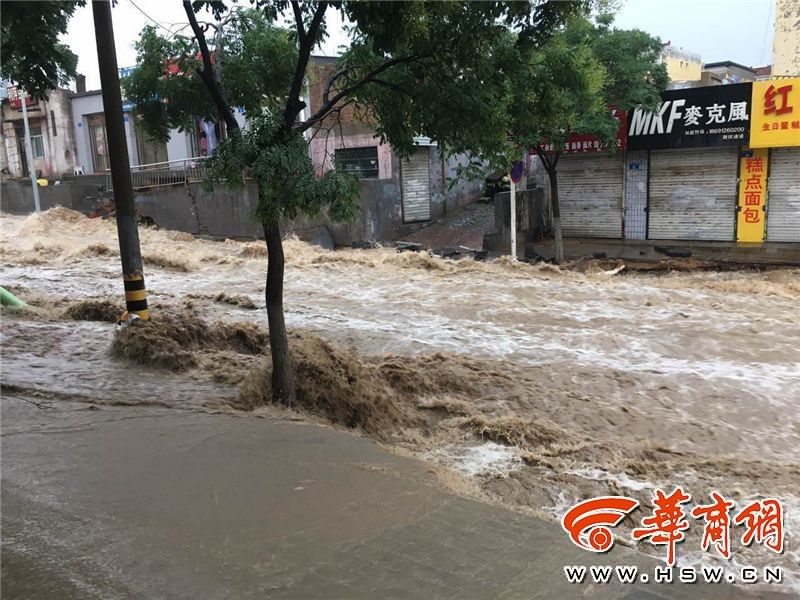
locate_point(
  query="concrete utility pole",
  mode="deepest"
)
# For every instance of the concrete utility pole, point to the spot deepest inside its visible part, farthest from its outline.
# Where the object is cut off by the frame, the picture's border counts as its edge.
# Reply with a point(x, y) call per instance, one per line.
point(513, 197)
point(29, 151)
point(127, 225)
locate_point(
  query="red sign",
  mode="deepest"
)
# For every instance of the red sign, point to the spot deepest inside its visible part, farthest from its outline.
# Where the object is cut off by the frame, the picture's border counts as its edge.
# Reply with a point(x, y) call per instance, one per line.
point(15, 98)
point(782, 94)
point(580, 144)
point(173, 69)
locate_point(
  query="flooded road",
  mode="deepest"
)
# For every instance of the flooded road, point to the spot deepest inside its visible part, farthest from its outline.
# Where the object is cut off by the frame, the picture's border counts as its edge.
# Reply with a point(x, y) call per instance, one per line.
point(534, 386)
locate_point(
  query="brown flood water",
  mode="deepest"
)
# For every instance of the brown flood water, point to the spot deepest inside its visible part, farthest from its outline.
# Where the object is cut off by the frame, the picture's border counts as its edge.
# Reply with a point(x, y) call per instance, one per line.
point(527, 385)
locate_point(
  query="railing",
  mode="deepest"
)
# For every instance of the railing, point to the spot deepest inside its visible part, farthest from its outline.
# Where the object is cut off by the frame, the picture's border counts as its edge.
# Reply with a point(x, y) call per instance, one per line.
point(174, 172)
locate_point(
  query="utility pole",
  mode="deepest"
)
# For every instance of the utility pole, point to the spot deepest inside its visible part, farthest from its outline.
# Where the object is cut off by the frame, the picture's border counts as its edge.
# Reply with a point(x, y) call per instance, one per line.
point(513, 198)
point(29, 151)
point(127, 225)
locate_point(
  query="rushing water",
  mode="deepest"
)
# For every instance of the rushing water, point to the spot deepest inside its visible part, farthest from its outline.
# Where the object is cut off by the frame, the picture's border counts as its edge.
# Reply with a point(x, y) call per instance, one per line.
point(704, 362)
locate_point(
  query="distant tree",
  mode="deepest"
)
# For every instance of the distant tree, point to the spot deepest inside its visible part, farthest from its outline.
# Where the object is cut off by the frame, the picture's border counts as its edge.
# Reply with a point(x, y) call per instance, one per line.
point(569, 86)
point(31, 54)
point(412, 68)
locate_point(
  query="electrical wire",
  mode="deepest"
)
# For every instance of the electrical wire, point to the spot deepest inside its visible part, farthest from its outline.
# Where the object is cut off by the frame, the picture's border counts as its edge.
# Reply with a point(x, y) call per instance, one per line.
point(172, 33)
point(766, 31)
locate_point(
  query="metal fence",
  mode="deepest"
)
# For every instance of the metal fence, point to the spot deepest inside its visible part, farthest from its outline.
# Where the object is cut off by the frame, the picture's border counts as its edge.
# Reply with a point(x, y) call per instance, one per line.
point(174, 172)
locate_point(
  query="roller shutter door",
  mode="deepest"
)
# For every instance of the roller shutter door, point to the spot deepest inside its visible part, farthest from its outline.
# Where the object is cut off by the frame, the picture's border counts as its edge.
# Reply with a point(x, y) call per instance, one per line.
point(590, 195)
point(416, 187)
point(783, 195)
point(693, 194)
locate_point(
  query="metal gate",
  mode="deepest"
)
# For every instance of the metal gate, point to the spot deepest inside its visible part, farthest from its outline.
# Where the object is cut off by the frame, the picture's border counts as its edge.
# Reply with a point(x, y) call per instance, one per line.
point(635, 209)
point(693, 194)
point(590, 195)
point(783, 195)
point(416, 187)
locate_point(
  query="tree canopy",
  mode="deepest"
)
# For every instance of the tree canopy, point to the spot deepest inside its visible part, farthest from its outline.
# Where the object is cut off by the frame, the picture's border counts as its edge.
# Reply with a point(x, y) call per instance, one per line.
point(32, 55)
point(412, 68)
point(570, 86)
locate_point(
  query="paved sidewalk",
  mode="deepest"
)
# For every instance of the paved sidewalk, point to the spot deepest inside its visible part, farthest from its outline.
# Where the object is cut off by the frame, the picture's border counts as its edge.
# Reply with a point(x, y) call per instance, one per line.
point(146, 503)
point(463, 227)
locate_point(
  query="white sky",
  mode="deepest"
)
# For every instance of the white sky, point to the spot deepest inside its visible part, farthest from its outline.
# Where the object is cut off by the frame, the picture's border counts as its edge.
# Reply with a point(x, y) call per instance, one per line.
point(737, 30)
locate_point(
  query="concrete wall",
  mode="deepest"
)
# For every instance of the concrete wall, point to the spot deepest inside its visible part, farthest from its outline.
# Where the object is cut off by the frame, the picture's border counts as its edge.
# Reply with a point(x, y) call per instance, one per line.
point(533, 221)
point(448, 191)
point(222, 212)
point(229, 213)
point(16, 197)
point(786, 44)
point(179, 145)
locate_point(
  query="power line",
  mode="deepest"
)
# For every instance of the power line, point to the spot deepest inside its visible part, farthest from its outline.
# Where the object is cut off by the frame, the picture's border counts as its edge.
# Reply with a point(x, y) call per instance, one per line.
point(167, 29)
point(151, 18)
point(766, 30)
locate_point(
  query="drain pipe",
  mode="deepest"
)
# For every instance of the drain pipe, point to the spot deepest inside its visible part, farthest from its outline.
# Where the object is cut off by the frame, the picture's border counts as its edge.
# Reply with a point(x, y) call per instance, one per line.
point(9, 299)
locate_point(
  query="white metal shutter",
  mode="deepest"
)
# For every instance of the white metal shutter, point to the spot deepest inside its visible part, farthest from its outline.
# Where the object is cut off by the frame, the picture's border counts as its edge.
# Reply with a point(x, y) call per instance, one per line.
point(416, 187)
point(693, 194)
point(590, 195)
point(783, 195)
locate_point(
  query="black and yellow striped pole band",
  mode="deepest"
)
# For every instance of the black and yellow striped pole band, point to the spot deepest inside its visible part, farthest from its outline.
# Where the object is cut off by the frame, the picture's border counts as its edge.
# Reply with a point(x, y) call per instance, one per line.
point(136, 296)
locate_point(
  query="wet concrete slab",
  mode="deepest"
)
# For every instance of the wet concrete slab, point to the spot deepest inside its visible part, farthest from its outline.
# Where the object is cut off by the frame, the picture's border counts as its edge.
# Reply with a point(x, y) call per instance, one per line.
point(153, 503)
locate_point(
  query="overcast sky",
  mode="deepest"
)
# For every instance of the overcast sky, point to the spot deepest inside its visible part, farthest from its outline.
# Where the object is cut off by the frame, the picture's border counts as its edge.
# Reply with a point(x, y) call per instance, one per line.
point(737, 30)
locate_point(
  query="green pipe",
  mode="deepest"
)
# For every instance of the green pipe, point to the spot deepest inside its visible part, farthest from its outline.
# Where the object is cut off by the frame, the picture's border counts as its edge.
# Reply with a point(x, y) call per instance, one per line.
point(9, 299)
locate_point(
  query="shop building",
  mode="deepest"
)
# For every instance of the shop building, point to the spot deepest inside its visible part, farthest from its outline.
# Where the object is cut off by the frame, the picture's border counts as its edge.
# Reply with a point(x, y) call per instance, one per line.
point(719, 163)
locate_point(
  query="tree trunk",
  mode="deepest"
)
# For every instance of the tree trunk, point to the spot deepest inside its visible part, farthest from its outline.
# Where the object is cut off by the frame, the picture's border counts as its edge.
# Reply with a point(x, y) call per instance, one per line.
point(282, 377)
point(559, 241)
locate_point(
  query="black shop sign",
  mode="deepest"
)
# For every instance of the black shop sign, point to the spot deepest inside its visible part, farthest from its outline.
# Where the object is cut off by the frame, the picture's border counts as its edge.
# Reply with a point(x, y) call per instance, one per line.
point(716, 115)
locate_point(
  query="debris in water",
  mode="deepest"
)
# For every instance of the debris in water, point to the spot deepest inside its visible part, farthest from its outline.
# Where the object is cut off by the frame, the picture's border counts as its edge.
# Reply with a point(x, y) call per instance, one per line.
point(616, 271)
point(93, 310)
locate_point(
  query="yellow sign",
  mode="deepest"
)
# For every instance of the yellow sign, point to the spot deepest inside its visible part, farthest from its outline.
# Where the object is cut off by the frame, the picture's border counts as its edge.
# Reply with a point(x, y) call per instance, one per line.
point(775, 111)
point(752, 195)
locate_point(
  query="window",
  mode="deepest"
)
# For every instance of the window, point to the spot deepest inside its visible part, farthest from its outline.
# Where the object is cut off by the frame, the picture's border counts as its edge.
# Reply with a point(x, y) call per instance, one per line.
point(53, 122)
point(37, 143)
point(362, 162)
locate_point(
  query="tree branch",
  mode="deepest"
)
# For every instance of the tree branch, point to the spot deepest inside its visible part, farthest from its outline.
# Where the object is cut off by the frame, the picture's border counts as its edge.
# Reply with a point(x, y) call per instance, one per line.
point(306, 44)
point(298, 20)
point(207, 72)
point(543, 157)
point(330, 104)
point(393, 86)
point(331, 80)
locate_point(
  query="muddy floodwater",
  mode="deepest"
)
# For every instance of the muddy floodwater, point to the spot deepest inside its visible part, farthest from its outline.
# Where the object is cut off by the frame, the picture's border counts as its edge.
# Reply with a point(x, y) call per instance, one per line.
point(525, 385)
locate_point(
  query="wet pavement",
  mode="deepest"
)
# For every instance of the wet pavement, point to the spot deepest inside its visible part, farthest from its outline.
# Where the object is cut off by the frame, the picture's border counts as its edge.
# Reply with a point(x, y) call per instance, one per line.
point(152, 503)
point(465, 226)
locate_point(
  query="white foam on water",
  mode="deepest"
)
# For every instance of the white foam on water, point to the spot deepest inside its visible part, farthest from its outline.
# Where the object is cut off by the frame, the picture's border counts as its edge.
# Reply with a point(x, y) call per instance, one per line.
point(621, 478)
point(486, 459)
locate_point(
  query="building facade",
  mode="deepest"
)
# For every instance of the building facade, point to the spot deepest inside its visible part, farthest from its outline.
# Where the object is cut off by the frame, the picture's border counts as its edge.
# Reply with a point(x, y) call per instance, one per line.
point(89, 122)
point(52, 141)
point(681, 64)
point(786, 44)
point(426, 181)
point(726, 73)
point(719, 163)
